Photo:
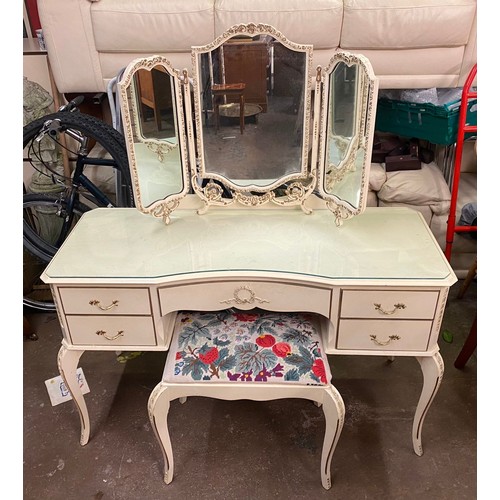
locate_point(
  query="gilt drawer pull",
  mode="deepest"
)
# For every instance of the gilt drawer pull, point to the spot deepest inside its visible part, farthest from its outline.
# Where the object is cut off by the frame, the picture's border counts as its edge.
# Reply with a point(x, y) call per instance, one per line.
point(386, 342)
point(106, 336)
point(97, 303)
point(378, 307)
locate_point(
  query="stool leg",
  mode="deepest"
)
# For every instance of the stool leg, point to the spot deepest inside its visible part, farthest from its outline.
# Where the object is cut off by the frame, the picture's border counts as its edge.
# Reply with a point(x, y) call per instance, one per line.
point(334, 409)
point(158, 406)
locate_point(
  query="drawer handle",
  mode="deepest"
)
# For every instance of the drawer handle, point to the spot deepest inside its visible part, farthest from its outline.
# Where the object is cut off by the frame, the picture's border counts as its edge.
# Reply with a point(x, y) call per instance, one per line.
point(386, 342)
point(97, 303)
point(378, 307)
point(247, 297)
point(107, 337)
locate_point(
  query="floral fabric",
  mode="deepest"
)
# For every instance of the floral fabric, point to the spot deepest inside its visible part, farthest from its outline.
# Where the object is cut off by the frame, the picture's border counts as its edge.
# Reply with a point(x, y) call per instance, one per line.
point(228, 346)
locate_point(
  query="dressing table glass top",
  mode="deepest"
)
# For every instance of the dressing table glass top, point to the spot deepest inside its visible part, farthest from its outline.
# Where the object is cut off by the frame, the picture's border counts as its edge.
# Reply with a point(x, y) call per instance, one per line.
point(382, 243)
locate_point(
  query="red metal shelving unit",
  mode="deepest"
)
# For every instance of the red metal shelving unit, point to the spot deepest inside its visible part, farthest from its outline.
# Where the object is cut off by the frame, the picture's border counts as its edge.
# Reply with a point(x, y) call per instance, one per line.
point(463, 129)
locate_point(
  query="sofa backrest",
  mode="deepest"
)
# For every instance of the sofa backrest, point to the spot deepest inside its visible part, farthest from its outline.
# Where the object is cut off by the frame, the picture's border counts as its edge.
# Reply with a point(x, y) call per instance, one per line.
point(410, 43)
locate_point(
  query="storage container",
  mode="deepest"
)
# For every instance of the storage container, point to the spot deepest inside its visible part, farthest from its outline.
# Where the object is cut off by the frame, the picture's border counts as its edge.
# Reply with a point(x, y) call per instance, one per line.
point(436, 124)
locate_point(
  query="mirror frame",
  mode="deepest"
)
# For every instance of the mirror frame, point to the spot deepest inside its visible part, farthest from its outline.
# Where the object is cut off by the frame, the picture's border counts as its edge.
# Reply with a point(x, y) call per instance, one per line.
point(164, 207)
point(363, 138)
point(300, 184)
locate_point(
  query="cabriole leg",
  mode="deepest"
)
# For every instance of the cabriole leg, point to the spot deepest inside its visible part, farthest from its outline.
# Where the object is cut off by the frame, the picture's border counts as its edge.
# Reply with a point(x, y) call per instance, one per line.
point(158, 407)
point(432, 369)
point(67, 361)
point(334, 409)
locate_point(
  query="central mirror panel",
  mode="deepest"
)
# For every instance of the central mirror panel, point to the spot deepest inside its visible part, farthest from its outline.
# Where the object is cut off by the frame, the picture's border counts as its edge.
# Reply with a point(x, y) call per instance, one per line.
point(252, 100)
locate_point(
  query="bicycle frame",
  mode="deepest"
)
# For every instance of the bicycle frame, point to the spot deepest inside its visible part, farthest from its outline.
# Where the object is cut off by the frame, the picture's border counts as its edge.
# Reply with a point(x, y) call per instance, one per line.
point(80, 179)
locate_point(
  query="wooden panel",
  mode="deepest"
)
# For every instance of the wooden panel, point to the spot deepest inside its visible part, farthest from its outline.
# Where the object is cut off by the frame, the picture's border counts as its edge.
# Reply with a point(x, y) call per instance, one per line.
point(105, 301)
point(245, 295)
point(383, 335)
point(247, 62)
point(388, 304)
point(111, 330)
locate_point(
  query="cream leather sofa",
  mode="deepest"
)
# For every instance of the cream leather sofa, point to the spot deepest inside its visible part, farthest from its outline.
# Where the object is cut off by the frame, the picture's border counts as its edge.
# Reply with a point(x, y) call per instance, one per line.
point(410, 43)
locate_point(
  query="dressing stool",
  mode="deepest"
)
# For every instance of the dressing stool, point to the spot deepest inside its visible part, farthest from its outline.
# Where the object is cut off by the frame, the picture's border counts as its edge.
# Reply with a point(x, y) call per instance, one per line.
point(245, 355)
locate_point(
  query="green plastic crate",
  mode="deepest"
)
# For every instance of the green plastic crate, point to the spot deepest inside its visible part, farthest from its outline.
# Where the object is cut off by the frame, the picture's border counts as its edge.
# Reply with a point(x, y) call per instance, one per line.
point(436, 124)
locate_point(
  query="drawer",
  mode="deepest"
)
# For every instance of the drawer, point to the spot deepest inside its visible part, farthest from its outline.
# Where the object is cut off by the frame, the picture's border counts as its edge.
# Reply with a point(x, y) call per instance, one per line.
point(245, 295)
point(105, 300)
point(388, 304)
point(383, 335)
point(111, 330)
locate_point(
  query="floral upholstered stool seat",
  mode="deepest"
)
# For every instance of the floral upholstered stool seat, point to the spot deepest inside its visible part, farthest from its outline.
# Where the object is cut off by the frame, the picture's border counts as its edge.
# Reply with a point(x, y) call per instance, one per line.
point(240, 355)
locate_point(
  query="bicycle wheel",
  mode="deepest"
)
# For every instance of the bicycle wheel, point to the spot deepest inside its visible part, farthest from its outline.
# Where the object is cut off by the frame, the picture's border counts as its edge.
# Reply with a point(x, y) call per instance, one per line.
point(103, 142)
point(42, 219)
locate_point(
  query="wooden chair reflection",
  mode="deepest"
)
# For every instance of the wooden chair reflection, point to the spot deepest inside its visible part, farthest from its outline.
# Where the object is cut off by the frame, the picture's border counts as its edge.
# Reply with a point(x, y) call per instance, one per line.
point(154, 91)
point(229, 89)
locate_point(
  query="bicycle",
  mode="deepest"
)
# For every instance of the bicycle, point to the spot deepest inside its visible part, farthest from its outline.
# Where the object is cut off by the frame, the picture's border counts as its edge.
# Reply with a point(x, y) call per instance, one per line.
point(49, 218)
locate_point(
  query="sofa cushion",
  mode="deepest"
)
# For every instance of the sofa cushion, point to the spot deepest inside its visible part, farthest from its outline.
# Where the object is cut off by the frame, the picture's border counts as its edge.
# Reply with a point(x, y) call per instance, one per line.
point(227, 346)
point(378, 176)
point(152, 26)
point(424, 187)
point(317, 22)
point(396, 24)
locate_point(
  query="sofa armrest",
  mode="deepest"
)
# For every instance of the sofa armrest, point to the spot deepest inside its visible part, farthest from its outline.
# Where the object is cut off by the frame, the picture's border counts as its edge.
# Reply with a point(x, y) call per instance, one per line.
point(69, 37)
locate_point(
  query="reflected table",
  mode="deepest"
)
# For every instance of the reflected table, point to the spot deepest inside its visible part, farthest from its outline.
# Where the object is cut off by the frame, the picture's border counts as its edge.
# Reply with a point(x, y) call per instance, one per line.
point(229, 89)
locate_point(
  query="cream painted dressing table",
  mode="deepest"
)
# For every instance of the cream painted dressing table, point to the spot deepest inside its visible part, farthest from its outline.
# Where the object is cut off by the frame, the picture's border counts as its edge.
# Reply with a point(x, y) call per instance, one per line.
point(380, 282)
point(376, 277)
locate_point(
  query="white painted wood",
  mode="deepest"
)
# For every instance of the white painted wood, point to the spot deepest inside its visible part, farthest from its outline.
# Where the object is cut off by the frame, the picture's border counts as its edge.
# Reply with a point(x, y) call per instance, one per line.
point(381, 247)
point(297, 262)
point(111, 330)
point(388, 304)
point(432, 370)
point(327, 396)
point(268, 295)
point(384, 335)
point(105, 300)
point(67, 361)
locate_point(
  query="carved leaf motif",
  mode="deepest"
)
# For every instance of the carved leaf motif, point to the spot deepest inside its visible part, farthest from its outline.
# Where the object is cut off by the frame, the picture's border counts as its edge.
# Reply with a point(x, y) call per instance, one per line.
point(248, 357)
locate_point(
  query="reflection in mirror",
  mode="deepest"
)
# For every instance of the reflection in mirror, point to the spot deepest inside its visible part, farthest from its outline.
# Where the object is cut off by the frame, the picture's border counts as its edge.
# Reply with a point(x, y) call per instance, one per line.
point(152, 107)
point(348, 97)
point(252, 105)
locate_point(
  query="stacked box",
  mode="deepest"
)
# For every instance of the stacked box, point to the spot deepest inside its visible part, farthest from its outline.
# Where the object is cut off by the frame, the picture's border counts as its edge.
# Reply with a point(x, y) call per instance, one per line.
point(436, 124)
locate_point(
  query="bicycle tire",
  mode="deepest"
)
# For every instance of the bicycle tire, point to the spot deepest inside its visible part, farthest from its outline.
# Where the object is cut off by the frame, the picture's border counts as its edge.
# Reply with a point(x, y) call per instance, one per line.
point(38, 252)
point(109, 138)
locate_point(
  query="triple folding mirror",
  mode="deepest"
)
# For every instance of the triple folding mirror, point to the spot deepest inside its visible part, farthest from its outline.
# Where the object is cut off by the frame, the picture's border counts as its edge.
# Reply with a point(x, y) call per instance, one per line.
point(252, 123)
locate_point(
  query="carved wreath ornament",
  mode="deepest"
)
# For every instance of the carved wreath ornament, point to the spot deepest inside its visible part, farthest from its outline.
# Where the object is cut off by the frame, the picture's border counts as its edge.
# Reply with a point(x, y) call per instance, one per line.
point(244, 295)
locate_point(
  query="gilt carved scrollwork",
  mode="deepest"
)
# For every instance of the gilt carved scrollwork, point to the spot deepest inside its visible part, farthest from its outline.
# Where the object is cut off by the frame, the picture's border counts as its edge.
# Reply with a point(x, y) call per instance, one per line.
point(244, 295)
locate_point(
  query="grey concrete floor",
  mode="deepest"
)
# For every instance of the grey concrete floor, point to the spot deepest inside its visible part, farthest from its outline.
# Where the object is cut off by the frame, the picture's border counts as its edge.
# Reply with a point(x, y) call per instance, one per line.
point(247, 449)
